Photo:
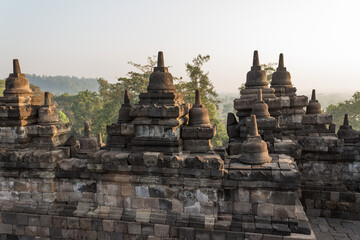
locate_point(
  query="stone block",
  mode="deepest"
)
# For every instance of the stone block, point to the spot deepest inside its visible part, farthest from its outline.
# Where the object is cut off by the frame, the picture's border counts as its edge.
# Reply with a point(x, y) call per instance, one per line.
point(45, 221)
point(298, 101)
point(198, 145)
point(5, 228)
point(234, 148)
point(177, 206)
point(73, 223)
point(186, 233)
point(31, 230)
point(151, 158)
point(8, 217)
point(85, 223)
point(324, 118)
point(161, 230)
point(43, 232)
point(108, 225)
point(260, 195)
point(202, 234)
point(120, 227)
point(165, 204)
point(151, 203)
point(134, 228)
point(248, 226)
point(242, 207)
point(194, 162)
point(21, 219)
point(265, 210)
point(96, 224)
point(128, 190)
point(143, 215)
point(127, 129)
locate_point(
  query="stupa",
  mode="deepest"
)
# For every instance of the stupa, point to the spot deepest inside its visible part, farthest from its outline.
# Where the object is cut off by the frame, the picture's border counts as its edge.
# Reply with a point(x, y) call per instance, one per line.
point(160, 114)
point(260, 108)
point(121, 133)
point(254, 150)
point(347, 133)
point(199, 133)
point(255, 80)
point(281, 80)
point(88, 142)
point(27, 120)
point(314, 107)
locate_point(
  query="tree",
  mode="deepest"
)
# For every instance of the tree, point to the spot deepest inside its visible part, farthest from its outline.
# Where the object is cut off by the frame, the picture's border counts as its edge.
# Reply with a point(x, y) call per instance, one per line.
point(136, 82)
point(350, 107)
point(62, 116)
point(85, 106)
point(2, 87)
point(269, 69)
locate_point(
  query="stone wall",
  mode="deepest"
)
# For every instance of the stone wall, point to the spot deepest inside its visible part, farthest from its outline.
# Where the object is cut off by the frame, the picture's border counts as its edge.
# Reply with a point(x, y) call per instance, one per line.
point(117, 195)
point(330, 188)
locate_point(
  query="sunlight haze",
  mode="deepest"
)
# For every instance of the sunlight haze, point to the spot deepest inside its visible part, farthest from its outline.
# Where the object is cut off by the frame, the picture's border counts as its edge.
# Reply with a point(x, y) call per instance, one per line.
point(320, 39)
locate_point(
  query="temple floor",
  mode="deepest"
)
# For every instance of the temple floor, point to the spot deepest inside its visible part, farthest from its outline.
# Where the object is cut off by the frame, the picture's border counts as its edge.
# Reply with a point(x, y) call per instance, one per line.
point(335, 228)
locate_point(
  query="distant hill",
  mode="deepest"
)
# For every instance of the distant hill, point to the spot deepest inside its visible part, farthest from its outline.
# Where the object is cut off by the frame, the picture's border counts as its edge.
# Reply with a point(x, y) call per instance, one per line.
point(58, 85)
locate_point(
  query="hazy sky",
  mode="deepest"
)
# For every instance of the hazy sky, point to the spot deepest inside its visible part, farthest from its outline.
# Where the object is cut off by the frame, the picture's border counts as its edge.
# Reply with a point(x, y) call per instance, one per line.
point(320, 39)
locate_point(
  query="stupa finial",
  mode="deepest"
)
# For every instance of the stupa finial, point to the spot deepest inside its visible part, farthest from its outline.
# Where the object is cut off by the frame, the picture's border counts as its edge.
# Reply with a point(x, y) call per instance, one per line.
point(197, 97)
point(160, 62)
point(253, 131)
point(346, 120)
point(16, 66)
point(126, 96)
point(313, 95)
point(47, 99)
point(256, 62)
point(281, 61)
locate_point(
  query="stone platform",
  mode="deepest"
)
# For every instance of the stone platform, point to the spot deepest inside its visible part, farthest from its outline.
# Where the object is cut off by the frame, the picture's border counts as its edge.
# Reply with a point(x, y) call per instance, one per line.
point(117, 195)
point(335, 228)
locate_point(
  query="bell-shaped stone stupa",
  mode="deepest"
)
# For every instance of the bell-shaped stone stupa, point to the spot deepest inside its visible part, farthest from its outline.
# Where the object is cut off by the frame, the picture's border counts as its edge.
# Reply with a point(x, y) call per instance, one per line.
point(260, 108)
point(256, 78)
point(161, 80)
point(314, 107)
point(254, 149)
point(199, 133)
point(198, 114)
point(281, 77)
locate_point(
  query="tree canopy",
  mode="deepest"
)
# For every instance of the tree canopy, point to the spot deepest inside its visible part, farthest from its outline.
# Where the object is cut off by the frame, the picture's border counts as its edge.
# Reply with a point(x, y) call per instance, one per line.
point(350, 107)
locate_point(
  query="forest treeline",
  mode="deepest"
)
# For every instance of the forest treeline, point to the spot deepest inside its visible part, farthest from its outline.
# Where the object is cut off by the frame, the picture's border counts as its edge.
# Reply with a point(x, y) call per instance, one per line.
point(63, 84)
point(98, 101)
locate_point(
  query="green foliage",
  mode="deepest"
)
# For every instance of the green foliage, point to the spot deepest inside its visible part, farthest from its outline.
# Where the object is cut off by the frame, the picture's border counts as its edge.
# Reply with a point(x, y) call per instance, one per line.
point(63, 84)
point(350, 107)
point(269, 69)
point(85, 106)
point(62, 116)
point(137, 81)
point(2, 87)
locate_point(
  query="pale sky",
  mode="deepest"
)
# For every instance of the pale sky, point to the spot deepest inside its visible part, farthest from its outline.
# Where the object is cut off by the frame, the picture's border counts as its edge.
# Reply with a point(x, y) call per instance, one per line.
point(96, 38)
